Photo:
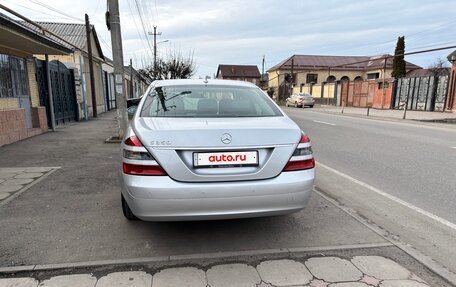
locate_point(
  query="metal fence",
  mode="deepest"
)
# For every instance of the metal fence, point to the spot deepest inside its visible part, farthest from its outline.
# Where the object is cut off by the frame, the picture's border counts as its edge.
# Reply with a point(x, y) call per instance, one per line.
point(421, 93)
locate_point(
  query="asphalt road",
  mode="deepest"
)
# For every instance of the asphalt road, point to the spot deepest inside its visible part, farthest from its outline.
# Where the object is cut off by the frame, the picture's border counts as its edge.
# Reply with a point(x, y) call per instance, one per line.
point(400, 176)
point(416, 163)
point(74, 214)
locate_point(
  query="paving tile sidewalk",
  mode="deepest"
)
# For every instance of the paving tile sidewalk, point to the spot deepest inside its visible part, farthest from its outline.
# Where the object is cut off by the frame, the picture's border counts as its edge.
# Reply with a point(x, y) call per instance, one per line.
point(13, 180)
point(359, 271)
point(388, 114)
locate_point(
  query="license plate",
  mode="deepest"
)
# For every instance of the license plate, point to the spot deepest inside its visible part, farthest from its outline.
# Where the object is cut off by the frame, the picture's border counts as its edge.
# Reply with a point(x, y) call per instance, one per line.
point(232, 158)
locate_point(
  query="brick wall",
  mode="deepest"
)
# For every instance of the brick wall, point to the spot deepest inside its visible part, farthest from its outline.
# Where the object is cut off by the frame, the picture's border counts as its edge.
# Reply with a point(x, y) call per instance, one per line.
point(39, 118)
point(9, 103)
point(13, 127)
point(33, 86)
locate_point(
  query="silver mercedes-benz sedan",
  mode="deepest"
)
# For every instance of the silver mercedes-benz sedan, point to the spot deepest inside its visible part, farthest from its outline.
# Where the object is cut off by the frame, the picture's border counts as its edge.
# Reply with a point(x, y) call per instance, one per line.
point(213, 149)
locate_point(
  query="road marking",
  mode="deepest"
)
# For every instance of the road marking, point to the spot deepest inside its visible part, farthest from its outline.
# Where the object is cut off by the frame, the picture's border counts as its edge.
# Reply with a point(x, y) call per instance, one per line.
point(326, 123)
point(393, 198)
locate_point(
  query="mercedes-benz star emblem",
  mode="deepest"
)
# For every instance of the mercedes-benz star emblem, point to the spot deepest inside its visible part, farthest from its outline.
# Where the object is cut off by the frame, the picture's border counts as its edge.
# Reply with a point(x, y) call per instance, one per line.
point(226, 138)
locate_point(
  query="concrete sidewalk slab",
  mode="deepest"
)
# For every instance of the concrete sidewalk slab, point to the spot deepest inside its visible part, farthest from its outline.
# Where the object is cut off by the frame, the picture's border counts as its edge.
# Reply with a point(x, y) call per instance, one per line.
point(233, 275)
point(77, 280)
point(284, 272)
point(181, 276)
point(380, 267)
point(18, 282)
point(333, 269)
point(13, 180)
point(268, 273)
point(126, 279)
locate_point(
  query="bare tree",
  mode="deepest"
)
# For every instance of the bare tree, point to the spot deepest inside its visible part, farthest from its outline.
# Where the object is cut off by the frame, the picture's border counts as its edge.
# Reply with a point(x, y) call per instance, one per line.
point(439, 68)
point(176, 66)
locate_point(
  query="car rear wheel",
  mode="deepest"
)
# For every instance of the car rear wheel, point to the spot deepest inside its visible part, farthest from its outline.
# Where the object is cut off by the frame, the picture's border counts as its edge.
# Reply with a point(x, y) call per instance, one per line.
point(311, 106)
point(127, 211)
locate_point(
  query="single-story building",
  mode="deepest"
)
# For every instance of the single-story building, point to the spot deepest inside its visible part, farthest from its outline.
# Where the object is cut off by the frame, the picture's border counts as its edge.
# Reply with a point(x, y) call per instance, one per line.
point(318, 69)
point(21, 113)
point(79, 61)
point(248, 73)
point(136, 85)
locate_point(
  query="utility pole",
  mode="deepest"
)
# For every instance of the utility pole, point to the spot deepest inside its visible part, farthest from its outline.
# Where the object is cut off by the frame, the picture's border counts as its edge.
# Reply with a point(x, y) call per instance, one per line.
point(292, 77)
point(131, 79)
point(155, 50)
point(117, 54)
point(50, 93)
point(383, 84)
point(262, 74)
point(92, 78)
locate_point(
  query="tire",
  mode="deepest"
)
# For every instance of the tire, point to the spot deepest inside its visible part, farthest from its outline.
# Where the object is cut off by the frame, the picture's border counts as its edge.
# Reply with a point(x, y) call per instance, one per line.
point(127, 211)
point(311, 106)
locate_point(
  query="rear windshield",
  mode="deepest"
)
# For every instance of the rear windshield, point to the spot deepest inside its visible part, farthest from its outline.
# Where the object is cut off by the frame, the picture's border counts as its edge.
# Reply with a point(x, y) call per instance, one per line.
point(208, 101)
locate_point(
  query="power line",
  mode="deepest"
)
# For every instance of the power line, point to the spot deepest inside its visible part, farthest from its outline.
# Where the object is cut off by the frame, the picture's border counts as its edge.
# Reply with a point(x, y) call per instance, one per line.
point(407, 37)
point(103, 41)
point(142, 24)
point(31, 9)
point(96, 9)
point(137, 28)
point(55, 10)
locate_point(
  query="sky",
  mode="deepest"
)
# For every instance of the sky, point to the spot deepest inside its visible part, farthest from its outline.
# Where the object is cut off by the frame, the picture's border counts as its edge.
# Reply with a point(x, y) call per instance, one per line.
point(242, 32)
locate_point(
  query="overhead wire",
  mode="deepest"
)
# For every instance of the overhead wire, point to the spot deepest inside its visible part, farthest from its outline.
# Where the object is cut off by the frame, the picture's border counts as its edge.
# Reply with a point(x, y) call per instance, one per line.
point(35, 10)
point(143, 25)
point(56, 10)
point(138, 30)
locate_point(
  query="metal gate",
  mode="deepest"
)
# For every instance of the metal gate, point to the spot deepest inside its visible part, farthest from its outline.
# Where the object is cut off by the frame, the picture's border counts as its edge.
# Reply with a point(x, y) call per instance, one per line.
point(63, 91)
point(421, 93)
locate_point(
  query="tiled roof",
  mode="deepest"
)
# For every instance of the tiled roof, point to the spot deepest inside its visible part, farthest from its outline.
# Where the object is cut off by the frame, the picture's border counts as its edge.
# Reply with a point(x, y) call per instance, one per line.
point(317, 62)
point(428, 72)
point(250, 71)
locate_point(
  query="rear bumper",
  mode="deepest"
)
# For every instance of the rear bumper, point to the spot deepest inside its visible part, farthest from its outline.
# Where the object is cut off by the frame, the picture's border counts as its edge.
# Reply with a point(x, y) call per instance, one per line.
point(160, 198)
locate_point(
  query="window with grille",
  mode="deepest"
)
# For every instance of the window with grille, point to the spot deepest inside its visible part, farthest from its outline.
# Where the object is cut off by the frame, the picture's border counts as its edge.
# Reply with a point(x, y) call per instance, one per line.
point(13, 77)
point(311, 78)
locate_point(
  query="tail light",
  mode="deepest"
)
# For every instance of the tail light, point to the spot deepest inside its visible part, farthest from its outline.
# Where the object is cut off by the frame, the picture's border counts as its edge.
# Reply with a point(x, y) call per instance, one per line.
point(137, 160)
point(302, 157)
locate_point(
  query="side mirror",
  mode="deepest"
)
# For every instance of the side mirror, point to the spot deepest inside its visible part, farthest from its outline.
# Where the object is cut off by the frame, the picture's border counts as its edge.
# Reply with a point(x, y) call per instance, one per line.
point(132, 110)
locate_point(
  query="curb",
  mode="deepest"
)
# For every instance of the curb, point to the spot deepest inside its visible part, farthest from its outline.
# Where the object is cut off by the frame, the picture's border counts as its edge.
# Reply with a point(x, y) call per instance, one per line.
point(196, 256)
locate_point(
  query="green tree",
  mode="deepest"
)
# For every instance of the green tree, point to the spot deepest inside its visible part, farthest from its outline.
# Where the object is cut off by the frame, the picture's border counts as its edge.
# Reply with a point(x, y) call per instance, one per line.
point(398, 61)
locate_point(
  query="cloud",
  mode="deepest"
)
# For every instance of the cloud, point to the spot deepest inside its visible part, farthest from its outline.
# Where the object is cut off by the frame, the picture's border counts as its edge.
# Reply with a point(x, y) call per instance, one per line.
point(241, 32)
